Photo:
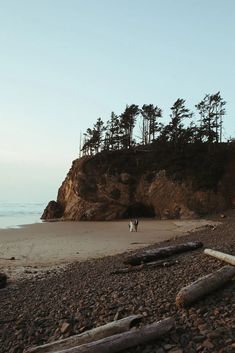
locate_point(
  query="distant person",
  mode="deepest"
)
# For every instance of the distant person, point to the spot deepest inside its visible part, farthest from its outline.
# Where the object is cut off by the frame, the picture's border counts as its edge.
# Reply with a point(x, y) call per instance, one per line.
point(136, 223)
point(131, 226)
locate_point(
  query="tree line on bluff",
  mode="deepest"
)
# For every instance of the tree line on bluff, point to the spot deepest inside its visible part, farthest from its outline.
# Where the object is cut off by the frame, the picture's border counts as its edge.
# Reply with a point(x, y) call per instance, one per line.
point(118, 133)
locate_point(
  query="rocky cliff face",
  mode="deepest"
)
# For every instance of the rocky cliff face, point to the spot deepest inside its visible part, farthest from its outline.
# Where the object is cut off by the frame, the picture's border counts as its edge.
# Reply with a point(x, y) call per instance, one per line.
point(161, 183)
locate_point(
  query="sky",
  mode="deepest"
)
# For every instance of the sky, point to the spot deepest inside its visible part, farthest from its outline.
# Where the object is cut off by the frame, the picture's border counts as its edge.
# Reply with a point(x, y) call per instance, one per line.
point(64, 63)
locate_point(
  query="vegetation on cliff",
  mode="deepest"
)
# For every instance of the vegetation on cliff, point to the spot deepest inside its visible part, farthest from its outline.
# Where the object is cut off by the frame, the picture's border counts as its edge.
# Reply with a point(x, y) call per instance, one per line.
point(141, 126)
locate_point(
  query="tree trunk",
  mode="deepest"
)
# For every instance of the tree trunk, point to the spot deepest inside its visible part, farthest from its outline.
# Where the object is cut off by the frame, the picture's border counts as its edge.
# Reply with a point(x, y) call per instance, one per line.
point(230, 259)
point(204, 285)
point(125, 340)
point(155, 254)
point(112, 328)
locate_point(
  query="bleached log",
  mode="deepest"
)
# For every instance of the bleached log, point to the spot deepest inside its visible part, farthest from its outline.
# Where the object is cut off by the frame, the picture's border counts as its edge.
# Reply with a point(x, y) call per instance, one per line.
point(161, 263)
point(230, 259)
point(125, 340)
point(159, 253)
point(112, 328)
point(204, 285)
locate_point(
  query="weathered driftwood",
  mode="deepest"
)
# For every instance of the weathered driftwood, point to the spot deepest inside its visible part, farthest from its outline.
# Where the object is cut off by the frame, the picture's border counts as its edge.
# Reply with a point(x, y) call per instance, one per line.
point(112, 328)
point(230, 259)
point(125, 340)
point(160, 263)
point(159, 253)
point(204, 286)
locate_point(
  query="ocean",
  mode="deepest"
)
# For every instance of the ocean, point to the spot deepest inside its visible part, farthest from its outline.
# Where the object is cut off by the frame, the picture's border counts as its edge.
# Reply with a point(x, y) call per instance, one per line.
point(16, 214)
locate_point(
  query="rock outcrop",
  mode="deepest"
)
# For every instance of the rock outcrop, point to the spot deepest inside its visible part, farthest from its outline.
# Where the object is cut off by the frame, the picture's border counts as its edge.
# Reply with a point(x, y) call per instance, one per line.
point(53, 210)
point(161, 183)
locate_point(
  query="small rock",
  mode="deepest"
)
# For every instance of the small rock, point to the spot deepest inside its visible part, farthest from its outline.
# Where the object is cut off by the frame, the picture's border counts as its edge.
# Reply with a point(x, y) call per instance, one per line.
point(159, 350)
point(202, 327)
point(167, 346)
point(207, 344)
point(175, 350)
point(213, 334)
point(65, 327)
point(199, 338)
point(116, 316)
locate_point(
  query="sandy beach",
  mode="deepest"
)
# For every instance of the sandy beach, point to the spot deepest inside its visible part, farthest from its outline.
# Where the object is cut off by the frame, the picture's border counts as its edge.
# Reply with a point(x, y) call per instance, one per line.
point(51, 244)
point(87, 294)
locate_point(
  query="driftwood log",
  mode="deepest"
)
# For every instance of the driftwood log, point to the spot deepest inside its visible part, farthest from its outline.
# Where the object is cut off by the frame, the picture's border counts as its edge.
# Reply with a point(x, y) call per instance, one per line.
point(148, 265)
point(159, 253)
point(204, 286)
point(230, 259)
point(125, 340)
point(112, 328)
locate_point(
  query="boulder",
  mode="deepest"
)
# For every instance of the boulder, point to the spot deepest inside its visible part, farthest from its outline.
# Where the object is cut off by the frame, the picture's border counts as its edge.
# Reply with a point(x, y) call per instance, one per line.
point(52, 211)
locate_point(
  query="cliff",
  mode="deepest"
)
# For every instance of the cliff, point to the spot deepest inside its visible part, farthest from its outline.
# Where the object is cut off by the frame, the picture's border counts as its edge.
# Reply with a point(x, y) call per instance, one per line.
point(158, 181)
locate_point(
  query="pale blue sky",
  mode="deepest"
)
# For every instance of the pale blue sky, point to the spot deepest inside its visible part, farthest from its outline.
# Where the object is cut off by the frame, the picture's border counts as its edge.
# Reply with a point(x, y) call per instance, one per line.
point(64, 63)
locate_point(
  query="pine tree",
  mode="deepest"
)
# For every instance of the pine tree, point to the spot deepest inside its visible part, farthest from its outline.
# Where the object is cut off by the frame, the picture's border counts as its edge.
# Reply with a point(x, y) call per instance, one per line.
point(127, 124)
point(150, 124)
point(112, 135)
point(211, 110)
point(88, 147)
point(98, 130)
point(176, 126)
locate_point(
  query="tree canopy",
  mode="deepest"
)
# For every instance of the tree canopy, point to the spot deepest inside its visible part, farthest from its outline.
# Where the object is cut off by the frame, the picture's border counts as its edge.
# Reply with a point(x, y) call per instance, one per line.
point(141, 126)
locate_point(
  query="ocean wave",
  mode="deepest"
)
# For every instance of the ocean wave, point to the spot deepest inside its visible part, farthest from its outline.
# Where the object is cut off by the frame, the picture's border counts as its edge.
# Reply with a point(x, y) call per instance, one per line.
point(13, 209)
point(12, 213)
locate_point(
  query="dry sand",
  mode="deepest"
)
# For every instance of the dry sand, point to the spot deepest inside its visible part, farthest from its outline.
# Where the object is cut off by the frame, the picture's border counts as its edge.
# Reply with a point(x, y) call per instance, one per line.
point(51, 244)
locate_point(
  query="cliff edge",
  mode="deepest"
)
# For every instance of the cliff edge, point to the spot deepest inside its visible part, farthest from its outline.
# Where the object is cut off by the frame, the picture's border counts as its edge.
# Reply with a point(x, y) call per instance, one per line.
point(157, 181)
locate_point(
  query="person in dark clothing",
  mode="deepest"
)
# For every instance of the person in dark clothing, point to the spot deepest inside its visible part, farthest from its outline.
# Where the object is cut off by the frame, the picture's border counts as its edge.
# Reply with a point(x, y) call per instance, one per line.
point(136, 223)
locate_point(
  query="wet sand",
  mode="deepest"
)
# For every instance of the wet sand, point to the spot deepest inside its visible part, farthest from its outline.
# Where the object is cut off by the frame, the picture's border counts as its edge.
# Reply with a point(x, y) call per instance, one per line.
point(54, 243)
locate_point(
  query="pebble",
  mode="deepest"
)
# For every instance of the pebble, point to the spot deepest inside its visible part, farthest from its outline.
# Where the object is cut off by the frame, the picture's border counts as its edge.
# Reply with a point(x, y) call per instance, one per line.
point(65, 327)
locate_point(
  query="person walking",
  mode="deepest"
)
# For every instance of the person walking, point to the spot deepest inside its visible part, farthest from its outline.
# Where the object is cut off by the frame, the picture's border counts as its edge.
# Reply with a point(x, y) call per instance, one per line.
point(131, 226)
point(136, 223)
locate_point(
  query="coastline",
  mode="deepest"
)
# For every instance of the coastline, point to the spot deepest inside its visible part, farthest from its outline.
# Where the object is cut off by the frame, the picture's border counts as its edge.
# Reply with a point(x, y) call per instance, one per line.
point(85, 295)
point(49, 245)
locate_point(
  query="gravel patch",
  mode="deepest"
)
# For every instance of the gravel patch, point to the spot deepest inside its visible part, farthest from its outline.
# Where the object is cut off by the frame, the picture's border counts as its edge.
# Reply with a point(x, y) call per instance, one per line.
point(84, 295)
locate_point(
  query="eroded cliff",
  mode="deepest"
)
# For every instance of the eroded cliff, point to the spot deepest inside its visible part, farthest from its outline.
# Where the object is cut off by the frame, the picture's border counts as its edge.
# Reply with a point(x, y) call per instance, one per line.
point(159, 181)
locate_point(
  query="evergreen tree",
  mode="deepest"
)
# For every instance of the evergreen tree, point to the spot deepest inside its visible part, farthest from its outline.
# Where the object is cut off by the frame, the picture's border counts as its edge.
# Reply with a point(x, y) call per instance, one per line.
point(112, 135)
point(211, 110)
point(150, 124)
point(93, 138)
point(176, 129)
point(127, 124)
point(98, 134)
point(88, 147)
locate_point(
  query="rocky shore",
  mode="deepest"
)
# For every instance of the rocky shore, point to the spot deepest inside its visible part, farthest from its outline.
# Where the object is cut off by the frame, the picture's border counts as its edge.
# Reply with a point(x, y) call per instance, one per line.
point(85, 295)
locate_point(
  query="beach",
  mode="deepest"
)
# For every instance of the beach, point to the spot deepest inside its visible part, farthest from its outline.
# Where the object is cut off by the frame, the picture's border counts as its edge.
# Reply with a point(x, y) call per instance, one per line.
point(50, 244)
point(86, 294)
